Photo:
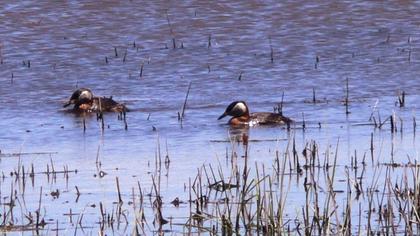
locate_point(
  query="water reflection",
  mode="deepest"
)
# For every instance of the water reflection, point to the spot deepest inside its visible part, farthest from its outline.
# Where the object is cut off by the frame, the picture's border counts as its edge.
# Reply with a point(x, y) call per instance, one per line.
point(239, 134)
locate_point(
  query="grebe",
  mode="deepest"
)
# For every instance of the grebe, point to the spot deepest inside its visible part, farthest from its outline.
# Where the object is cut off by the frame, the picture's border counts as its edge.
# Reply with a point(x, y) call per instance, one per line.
point(241, 116)
point(84, 100)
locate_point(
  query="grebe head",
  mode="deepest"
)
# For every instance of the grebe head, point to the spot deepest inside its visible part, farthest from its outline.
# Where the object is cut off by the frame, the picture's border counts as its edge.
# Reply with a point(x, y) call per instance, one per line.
point(80, 96)
point(235, 109)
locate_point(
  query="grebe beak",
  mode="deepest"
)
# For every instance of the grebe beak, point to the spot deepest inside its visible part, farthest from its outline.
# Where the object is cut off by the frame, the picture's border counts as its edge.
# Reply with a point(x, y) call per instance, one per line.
point(68, 103)
point(221, 117)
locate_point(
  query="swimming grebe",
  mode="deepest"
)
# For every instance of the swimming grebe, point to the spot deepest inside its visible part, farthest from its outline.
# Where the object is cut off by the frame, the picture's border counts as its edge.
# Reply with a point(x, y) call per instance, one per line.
point(84, 100)
point(241, 116)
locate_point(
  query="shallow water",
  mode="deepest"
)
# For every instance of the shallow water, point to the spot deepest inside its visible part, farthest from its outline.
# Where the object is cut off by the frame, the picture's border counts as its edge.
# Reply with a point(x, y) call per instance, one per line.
point(70, 45)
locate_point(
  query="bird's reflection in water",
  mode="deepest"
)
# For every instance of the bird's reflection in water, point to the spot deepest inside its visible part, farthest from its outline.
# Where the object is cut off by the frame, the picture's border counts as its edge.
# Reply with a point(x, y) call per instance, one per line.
point(239, 134)
point(83, 117)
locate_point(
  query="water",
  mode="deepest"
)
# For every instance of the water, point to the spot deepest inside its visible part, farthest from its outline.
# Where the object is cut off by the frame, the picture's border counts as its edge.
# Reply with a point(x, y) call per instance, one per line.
point(71, 45)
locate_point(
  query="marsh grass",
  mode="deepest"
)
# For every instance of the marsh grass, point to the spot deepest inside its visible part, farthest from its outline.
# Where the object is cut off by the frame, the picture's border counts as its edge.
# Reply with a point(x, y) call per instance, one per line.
point(240, 196)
